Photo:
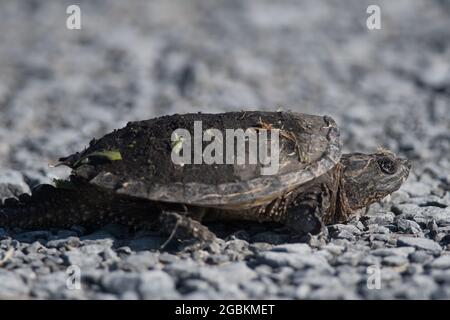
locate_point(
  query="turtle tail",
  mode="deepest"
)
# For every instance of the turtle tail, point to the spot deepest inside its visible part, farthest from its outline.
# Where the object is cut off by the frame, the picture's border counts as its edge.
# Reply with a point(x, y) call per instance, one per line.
point(47, 206)
point(72, 203)
point(62, 206)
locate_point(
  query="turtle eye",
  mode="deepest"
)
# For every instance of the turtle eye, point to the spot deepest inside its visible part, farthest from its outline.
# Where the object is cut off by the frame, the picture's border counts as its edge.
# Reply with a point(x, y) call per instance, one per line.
point(387, 165)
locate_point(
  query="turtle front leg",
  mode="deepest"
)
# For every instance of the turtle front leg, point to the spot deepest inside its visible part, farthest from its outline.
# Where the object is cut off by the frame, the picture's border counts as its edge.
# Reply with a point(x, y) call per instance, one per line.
point(179, 226)
point(304, 215)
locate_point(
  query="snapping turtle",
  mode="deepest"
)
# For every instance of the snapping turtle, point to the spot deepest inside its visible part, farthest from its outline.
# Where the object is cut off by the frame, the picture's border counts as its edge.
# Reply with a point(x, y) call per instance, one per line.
point(129, 176)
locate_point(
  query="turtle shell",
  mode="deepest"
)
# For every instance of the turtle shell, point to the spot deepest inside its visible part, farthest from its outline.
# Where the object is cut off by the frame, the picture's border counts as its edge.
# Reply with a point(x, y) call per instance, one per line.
point(136, 160)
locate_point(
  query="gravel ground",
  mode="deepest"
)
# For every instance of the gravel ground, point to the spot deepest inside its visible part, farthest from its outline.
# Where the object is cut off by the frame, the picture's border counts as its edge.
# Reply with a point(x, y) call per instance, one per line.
point(138, 59)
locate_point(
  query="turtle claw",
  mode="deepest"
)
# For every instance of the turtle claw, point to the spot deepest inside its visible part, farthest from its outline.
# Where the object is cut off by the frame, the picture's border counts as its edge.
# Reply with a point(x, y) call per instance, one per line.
point(181, 227)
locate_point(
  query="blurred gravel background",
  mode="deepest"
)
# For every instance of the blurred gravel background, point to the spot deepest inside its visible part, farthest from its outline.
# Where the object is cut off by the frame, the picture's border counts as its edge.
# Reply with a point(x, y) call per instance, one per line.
point(139, 59)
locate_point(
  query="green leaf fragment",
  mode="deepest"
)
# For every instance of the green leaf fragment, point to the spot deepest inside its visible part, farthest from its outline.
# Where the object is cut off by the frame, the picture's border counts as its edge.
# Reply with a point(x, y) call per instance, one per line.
point(111, 155)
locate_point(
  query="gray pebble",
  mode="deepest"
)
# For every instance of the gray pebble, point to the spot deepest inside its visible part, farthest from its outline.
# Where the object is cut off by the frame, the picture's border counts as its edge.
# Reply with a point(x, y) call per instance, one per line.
point(375, 228)
point(156, 285)
point(233, 273)
point(54, 286)
point(400, 196)
point(344, 234)
point(416, 188)
point(128, 295)
point(192, 285)
point(395, 261)
point(281, 259)
point(70, 242)
point(385, 252)
point(254, 289)
point(119, 282)
point(381, 218)
point(442, 293)
point(371, 243)
point(336, 228)
point(350, 258)
point(140, 261)
point(12, 286)
point(408, 226)
point(168, 258)
point(333, 293)
point(441, 276)
point(420, 243)
point(379, 237)
point(34, 248)
point(414, 268)
point(303, 292)
point(314, 279)
point(422, 214)
point(442, 262)
point(236, 244)
point(370, 260)
point(420, 256)
point(333, 248)
point(80, 259)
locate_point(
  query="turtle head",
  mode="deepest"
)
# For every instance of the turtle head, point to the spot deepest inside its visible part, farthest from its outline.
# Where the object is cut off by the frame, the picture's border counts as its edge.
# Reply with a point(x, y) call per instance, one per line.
point(368, 178)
